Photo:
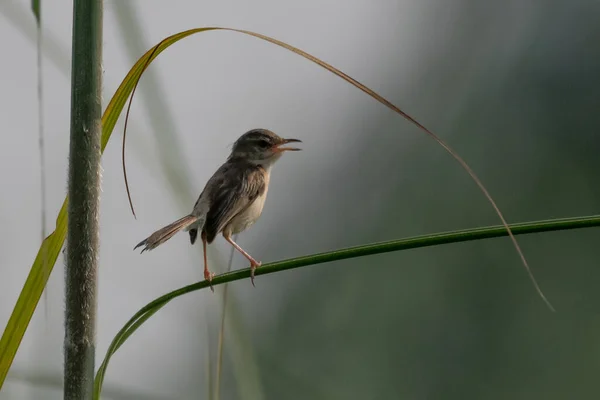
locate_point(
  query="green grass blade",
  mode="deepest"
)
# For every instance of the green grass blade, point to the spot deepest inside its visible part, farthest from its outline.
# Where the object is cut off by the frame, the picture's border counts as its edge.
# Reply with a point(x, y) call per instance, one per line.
point(353, 252)
point(30, 295)
point(121, 337)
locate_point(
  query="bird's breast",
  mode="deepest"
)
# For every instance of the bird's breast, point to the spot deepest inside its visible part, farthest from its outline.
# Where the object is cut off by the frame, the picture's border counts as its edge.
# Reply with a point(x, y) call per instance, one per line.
point(250, 215)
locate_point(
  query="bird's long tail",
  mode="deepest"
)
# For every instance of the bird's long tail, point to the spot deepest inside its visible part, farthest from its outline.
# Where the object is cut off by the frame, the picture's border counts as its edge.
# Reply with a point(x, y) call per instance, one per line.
point(166, 233)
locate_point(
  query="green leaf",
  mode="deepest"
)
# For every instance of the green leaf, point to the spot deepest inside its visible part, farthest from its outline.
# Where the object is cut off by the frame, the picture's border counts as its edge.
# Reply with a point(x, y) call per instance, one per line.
point(353, 252)
point(30, 295)
point(35, 7)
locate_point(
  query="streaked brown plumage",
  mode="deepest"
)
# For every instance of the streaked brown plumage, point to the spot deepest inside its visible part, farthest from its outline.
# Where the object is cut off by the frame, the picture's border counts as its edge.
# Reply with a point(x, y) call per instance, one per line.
point(233, 197)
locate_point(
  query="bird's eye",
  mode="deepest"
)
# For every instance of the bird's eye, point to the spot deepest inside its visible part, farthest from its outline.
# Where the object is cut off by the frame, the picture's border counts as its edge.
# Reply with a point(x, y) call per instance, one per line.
point(264, 143)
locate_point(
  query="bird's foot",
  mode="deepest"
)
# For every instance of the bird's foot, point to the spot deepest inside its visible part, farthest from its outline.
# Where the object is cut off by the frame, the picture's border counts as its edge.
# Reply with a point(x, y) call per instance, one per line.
point(209, 276)
point(253, 265)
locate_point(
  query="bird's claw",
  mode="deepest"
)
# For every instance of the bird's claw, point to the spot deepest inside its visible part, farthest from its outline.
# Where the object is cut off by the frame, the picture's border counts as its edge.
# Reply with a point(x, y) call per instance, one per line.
point(208, 276)
point(253, 266)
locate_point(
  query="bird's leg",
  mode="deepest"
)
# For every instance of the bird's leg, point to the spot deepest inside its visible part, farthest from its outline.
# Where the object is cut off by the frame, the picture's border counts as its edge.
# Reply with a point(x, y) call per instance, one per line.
point(207, 274)
point(253, 263)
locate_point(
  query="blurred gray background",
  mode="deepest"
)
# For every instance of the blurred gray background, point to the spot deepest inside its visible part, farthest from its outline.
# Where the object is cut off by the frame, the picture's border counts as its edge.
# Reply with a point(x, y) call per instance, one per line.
point(513, 86)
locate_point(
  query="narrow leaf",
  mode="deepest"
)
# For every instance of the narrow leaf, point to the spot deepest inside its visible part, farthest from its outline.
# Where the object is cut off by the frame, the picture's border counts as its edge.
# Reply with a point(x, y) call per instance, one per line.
point(30, 295)
point(353, 252)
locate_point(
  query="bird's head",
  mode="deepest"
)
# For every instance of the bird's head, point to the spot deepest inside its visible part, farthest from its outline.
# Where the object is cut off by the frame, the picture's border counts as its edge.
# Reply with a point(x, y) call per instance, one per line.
point(261, 147)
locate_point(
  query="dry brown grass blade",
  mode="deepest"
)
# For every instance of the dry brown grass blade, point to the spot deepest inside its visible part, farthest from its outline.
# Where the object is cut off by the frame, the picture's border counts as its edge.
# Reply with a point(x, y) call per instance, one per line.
point(149, 60)
point(354, 82)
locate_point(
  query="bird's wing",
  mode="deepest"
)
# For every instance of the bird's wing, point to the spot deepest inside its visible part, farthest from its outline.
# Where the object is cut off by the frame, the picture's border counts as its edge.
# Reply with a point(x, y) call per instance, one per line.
point(234, 191)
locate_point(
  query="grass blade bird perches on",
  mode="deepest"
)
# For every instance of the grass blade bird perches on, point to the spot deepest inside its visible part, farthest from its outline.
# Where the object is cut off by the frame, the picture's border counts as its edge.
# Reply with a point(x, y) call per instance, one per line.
point(151, 54)
point(415, 242)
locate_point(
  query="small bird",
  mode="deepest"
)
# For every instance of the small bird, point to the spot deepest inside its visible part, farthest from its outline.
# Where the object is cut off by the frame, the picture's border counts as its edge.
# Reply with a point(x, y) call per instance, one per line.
point(233, 198)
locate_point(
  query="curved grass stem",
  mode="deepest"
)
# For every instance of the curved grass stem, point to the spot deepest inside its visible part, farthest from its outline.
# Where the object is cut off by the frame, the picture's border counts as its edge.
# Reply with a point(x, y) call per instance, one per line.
point(359, 251)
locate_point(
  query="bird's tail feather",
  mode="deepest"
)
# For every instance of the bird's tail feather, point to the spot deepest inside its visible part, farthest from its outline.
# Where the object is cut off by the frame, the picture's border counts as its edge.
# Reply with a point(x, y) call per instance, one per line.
point(166, 233)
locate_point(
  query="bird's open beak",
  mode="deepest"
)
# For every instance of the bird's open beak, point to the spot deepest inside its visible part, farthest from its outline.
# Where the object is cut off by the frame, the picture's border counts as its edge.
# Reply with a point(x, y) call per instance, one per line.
point(279, 147)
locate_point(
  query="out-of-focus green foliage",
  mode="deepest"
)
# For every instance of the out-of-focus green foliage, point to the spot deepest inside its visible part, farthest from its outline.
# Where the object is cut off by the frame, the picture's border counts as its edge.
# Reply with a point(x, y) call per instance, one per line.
point(36, 8)
point(514, 88)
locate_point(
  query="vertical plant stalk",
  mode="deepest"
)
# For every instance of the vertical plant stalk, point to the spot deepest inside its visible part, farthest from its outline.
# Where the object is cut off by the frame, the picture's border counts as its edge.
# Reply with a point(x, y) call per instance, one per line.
point(36, 8)
point(83, 204)
point(37, 11)
point(222, 330)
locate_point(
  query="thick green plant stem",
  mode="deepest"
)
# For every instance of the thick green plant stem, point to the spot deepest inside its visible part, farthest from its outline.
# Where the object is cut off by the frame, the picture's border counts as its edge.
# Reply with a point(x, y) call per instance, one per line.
point(84, 199)
point(376, 248)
